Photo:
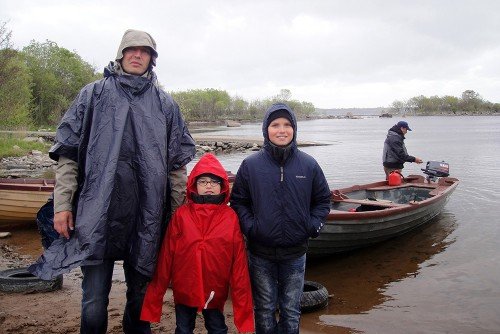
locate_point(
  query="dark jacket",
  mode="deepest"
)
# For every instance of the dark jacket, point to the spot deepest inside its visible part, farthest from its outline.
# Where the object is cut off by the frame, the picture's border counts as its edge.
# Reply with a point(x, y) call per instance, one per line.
point(126, 135)
point(202, 255)
point(280, 204)
point(395, 154)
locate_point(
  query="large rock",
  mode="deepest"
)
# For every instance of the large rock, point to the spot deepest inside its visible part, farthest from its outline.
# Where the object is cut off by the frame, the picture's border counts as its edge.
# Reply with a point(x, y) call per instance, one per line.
point(232, 124)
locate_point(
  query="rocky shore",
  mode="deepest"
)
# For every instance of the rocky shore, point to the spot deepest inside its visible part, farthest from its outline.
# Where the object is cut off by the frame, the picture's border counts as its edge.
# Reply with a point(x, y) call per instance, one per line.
point(225, 145)
point(34, 165)
point(38, 165)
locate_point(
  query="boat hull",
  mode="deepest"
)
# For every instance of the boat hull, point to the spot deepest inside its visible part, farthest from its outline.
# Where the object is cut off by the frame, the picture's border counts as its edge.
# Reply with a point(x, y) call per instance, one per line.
point(346, 231)
point(20, 200)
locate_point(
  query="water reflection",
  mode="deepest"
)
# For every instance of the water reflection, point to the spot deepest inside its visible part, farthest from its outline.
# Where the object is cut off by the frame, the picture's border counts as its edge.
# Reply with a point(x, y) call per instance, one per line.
point(358, 280)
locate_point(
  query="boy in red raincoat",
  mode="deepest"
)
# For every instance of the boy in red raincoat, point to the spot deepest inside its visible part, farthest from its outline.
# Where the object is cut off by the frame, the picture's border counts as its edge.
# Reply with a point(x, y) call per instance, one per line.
point(202, 255)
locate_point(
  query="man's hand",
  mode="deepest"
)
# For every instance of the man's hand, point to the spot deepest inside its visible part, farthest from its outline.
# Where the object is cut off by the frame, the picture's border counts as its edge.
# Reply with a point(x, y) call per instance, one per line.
point(418, 160)
point(63, 223)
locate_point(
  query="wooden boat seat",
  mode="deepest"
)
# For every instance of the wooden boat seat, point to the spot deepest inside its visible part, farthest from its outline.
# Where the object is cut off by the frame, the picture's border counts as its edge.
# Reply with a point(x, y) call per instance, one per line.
point(404, 185)
point(384, 204)
point(438, 190)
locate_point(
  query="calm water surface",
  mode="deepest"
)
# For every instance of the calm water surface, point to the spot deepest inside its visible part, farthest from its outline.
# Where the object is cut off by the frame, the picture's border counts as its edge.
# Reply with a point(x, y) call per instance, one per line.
point(443, 278)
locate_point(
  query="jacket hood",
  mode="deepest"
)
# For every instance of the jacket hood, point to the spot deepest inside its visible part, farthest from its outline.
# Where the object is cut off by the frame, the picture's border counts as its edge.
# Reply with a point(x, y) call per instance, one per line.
point(132, 38)
point(208, 163)
point(397, 130)
point(274, 108)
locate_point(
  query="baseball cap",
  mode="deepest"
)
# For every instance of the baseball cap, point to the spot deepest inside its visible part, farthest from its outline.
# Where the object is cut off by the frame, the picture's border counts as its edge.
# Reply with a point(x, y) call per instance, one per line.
point(403, 124)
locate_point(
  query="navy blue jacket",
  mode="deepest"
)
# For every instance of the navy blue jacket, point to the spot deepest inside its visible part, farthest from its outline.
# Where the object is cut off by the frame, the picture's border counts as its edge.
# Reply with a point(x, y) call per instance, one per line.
point(280, 205)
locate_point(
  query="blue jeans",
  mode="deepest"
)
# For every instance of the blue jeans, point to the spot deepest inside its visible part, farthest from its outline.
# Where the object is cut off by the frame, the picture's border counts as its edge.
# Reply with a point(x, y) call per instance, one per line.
point(277, 283)
point(185, 319)
point(96, 285)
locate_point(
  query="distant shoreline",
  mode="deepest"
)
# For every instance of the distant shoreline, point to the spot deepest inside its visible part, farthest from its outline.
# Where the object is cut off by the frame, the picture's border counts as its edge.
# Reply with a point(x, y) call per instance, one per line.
point(199, 138)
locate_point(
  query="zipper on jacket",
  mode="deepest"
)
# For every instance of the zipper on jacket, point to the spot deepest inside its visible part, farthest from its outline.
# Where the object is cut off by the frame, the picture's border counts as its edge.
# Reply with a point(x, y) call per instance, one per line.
point(281, 176)
point(212, 294)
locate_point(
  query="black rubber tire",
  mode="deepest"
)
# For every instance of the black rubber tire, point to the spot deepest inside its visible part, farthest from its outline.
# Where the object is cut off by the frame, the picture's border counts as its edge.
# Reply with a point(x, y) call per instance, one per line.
point(314, 297)
point(20, 280)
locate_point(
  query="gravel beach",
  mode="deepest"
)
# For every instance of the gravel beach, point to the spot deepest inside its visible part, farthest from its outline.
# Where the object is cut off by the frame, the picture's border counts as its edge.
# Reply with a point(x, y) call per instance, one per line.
point(59, 311)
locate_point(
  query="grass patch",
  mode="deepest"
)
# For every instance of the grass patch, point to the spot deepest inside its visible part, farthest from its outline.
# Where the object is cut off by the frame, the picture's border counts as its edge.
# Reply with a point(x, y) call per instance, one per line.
point(14, 145)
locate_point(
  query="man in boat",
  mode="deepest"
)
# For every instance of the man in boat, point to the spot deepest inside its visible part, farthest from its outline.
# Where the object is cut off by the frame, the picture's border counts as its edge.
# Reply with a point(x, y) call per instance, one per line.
point(282, 199)
point(121, 148)
point(395, 153)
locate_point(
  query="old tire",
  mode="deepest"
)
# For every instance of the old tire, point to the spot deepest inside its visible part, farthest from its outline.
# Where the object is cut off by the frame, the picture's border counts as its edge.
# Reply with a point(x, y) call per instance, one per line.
point(314, 297)
point(20, 280)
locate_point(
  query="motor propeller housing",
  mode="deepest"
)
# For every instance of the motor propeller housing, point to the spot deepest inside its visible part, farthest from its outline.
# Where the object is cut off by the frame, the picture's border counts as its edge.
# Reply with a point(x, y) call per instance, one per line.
point(435, 169)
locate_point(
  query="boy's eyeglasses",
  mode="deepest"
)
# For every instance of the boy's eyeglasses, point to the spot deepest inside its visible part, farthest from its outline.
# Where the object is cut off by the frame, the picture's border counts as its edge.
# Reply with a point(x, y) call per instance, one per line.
point(204, 183)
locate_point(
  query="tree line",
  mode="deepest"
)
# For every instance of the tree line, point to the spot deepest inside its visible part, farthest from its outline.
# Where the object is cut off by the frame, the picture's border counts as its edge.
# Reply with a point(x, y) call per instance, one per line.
point(39, 82)
point(216, 105)
point(470, 103)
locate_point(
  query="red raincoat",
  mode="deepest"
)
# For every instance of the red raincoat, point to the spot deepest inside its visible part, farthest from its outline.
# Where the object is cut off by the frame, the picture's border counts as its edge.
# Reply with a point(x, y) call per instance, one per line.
point(202, 255)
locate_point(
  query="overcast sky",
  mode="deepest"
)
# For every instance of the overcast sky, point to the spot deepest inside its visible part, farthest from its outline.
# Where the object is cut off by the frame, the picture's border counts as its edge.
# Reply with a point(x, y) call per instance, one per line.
point(335, 54)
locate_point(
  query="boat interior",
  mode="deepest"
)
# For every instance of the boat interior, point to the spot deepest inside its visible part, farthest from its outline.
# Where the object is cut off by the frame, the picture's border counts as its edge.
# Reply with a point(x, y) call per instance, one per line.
point(380, 199)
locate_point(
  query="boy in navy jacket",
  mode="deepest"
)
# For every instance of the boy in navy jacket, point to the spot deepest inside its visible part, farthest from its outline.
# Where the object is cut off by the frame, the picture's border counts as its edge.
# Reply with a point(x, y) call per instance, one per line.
point(282, 199)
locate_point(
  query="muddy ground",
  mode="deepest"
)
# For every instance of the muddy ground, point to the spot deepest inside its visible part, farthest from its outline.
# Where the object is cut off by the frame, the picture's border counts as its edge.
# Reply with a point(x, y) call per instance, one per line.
point(59, 311)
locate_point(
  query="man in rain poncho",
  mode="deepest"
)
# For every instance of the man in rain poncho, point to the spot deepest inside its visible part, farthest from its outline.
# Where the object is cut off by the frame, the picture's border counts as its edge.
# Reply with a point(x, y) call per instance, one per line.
point(121, 149)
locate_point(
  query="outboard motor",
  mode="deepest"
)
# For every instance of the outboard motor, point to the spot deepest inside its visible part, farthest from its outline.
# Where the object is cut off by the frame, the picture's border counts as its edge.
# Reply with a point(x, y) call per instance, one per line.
point(435, 169)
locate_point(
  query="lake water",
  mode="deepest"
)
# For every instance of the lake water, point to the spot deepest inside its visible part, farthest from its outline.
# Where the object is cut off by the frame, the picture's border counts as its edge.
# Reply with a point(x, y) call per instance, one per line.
point(443, 278)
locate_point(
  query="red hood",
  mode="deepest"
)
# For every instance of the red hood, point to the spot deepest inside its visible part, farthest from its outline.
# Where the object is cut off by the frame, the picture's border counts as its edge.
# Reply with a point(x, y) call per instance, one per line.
point(208, 163)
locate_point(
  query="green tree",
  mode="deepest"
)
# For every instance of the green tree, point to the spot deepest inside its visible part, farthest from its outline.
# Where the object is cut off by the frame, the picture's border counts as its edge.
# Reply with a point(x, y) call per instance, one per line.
point(189, 103)
point(471, 101)
point(58, 75)
point(284, 95)
point(450, 104)
point(397, 107)
point(238, 108)
point(15, 82)
point(301, 109)
point(214, 105)
point(256, 109)
point(204, 104)
point(308, 109)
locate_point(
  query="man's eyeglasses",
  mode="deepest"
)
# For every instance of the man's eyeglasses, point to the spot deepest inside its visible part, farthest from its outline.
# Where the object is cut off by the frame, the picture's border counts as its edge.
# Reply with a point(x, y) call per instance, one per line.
point(212, 182)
